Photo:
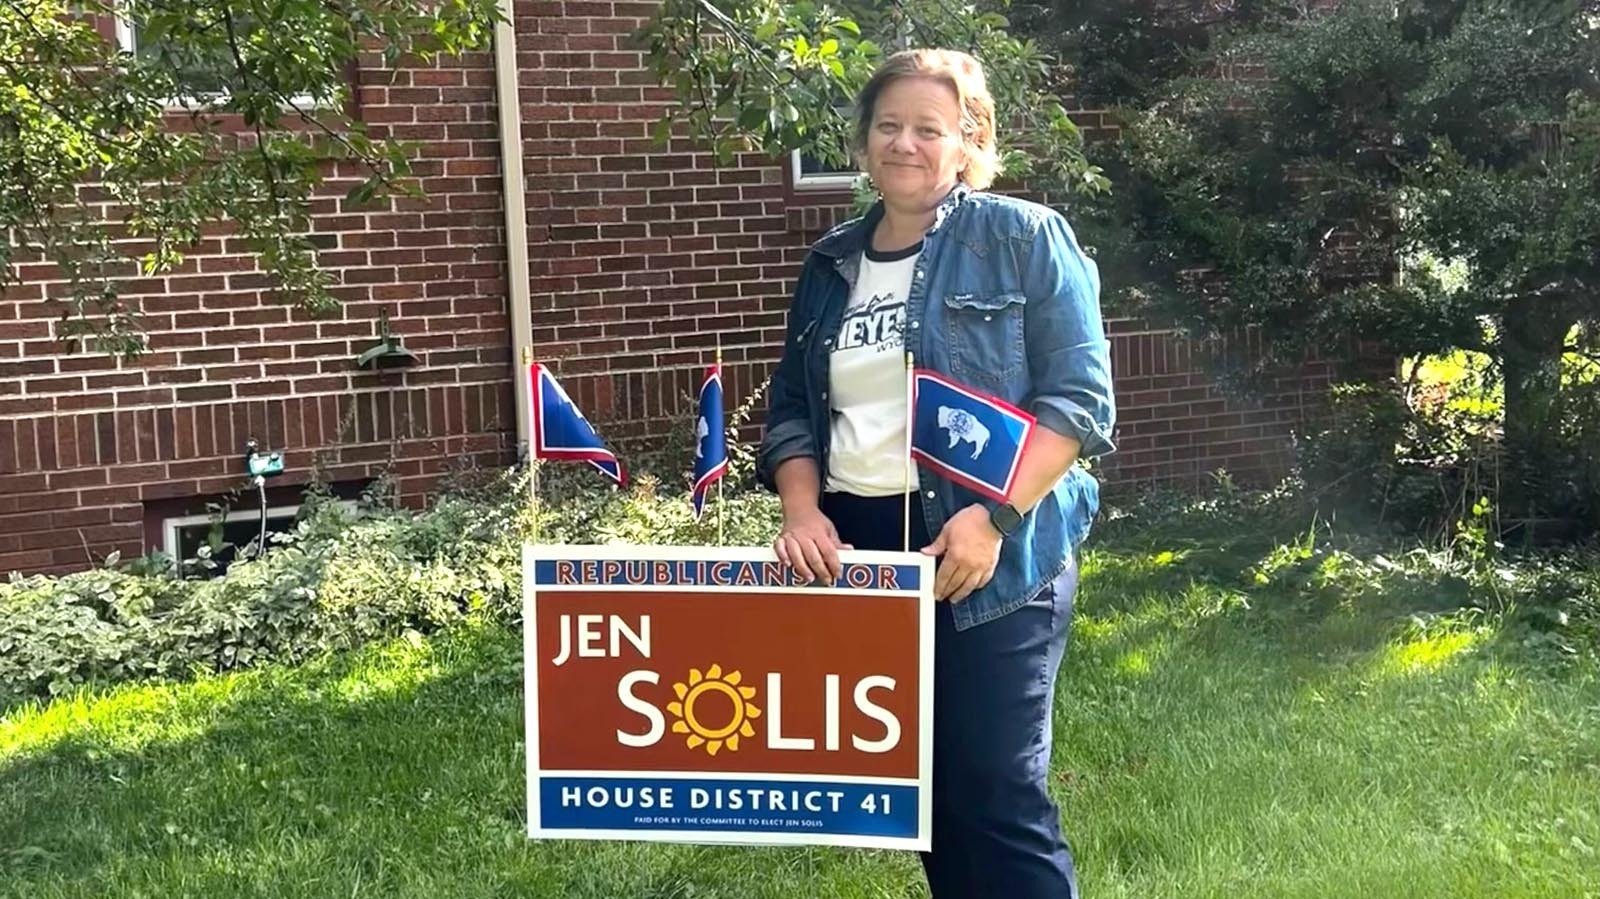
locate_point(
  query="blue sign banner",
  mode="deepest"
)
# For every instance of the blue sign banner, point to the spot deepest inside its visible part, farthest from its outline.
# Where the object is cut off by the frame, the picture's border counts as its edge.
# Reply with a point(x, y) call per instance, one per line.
point(723, 573)
point(810, 807)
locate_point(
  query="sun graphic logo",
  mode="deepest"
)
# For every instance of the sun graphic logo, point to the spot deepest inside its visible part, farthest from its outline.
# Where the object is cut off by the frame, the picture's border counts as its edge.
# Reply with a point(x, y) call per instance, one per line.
point(705, 693)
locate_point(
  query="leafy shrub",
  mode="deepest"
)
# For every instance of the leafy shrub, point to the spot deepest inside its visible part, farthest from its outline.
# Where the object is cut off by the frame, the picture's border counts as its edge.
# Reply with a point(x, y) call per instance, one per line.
point(1417, 460)
point(1419, 454)
point(57, 632)
point(339, 579)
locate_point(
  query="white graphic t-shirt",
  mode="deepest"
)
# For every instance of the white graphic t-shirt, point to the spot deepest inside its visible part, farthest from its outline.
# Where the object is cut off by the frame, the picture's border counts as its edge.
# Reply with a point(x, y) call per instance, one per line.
point(867, 379)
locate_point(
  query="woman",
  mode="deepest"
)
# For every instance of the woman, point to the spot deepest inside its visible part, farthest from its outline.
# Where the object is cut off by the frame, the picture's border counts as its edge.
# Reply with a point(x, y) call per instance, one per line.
point(995, 293)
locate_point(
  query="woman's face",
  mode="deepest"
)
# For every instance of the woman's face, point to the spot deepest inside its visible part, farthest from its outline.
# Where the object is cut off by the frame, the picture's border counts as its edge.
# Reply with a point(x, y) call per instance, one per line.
point(914, 147)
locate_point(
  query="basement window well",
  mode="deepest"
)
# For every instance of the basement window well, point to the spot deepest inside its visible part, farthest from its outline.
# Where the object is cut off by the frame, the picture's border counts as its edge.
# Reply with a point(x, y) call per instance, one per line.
point(183, 536)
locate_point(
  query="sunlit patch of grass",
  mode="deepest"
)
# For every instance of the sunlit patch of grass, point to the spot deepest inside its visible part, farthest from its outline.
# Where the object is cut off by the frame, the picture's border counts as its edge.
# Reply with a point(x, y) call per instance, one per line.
point(1091, 630)
point(1167, 557)
point(123, 719)
point(1428, 652)
point(1135, 663)
point(397, 668)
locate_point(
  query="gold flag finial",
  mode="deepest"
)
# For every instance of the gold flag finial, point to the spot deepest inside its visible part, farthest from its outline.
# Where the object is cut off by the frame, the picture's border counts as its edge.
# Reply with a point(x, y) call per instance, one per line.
point(527, 355)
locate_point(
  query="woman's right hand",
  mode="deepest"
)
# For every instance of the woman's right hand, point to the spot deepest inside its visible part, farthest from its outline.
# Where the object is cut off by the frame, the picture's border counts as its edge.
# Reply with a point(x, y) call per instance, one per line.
point(810, 545)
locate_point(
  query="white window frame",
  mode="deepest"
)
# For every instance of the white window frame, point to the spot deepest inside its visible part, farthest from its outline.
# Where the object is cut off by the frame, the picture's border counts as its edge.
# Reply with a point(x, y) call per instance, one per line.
point(823, 181)
point(170, 526)
point(128, 42)
point(819, 181)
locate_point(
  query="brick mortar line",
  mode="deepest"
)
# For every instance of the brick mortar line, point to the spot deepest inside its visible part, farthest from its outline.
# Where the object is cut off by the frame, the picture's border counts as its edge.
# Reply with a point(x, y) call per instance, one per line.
point(238, 401)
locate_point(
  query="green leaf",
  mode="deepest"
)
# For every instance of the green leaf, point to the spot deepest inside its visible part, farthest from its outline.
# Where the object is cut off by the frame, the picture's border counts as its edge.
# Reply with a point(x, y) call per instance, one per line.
point(752, 116)
point(362, 193)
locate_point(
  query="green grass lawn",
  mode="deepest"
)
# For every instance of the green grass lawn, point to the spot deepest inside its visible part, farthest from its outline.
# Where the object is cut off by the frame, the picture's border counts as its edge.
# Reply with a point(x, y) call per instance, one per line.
point(1212, 740)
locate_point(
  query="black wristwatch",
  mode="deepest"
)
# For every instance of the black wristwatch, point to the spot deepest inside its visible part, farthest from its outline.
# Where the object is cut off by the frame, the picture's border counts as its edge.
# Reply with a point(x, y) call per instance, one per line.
point(1005, 518)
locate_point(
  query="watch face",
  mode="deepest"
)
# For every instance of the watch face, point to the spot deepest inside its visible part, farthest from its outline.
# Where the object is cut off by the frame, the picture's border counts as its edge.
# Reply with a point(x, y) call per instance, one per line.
point(1006, 518)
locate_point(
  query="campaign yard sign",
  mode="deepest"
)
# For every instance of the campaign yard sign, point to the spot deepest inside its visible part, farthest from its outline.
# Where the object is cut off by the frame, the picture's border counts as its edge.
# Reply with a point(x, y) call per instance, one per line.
point(708, 695)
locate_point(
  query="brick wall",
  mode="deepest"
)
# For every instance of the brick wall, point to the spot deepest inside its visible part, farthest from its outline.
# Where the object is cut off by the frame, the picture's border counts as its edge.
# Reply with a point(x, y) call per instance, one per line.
point(93, 452)
point(643, 260)
point(1176, 425)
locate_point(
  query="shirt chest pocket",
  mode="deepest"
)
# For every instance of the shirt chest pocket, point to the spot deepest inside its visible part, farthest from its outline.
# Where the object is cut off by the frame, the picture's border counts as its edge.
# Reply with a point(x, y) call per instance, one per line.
point(985, 335)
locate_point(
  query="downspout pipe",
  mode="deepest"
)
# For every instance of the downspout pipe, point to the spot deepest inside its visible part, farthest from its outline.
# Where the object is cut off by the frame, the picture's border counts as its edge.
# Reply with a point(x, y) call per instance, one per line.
point(519, 308)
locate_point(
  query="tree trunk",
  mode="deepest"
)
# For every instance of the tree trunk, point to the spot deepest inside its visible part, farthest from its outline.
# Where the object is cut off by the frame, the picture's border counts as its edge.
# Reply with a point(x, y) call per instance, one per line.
point(1531, 341)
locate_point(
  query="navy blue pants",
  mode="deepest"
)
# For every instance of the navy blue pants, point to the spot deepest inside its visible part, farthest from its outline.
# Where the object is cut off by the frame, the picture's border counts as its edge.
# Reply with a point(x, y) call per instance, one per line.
point(996, 831)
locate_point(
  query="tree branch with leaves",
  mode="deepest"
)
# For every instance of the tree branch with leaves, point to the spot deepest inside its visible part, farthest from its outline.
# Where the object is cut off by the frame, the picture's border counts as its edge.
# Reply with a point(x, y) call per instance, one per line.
point(230, 113)
point(1417, 176)
point(774, 77)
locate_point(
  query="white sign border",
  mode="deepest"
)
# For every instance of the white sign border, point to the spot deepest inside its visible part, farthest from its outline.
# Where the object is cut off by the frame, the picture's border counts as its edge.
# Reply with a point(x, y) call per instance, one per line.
point(532, 553)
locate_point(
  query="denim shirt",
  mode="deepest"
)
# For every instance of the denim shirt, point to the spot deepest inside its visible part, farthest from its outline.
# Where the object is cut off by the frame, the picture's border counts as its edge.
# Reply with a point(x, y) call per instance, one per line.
point(1002, 299)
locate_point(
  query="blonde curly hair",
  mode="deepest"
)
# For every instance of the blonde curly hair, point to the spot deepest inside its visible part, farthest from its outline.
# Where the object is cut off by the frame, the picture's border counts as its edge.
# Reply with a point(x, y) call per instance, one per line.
point(965, 76)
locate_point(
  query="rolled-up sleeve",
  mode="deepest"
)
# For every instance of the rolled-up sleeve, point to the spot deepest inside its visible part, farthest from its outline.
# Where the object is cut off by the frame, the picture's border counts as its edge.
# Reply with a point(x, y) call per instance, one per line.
point(783, 441)
point(1069, 357)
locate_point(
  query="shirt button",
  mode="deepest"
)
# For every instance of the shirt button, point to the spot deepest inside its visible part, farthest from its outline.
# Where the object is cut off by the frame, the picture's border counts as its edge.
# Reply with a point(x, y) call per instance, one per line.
point(916, 325)
point(824, 394)
point(988, 318)
point(919, 274)
point(930, 494)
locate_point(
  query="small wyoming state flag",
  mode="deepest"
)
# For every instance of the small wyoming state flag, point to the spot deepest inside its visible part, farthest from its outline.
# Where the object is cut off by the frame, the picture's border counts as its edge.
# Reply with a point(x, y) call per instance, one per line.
point(971, 437)
point(711, 440)
point(561, 432)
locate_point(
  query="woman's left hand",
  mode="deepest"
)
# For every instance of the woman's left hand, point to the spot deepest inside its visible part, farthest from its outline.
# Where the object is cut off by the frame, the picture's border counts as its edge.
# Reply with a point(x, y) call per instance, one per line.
point(971, 549)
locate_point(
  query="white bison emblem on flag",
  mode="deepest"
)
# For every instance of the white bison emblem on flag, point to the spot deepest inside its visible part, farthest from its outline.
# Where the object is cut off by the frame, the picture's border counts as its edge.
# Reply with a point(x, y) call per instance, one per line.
point(963, 425)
